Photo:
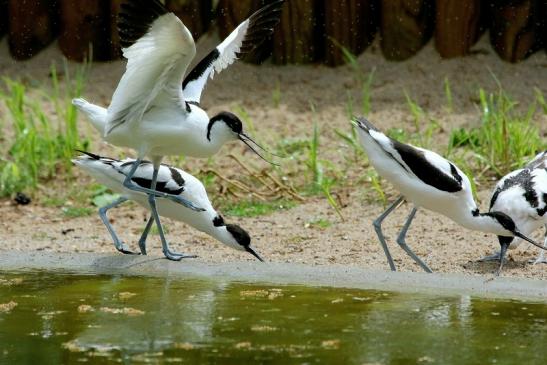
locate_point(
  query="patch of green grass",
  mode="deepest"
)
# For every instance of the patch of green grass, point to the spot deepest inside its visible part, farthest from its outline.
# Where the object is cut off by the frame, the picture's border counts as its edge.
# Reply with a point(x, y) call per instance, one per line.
point(366, 105)
point(541, 100)
point(155, 232)
point(276, 94)
point(365, 80)
point(448, 95)
point(250, 127)
point(53, 201)
point(208, 179)
point(350, 105)
point(41, 148)
point(313, 162)
point(416, 111)
point(320, 223)
point(506, 138)
point(256, 208)
point(289, 147)
point(320, 182)
point(398, 134)
point(422, 136)
point(352, 140)
point(375, 183)
point(76, 212)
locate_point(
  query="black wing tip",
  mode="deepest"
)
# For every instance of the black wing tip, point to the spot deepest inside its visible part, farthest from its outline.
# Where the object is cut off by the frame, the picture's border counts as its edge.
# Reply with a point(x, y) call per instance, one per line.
point(266, 14)
point(135, 19)
point(89, 154)
point(261, 26)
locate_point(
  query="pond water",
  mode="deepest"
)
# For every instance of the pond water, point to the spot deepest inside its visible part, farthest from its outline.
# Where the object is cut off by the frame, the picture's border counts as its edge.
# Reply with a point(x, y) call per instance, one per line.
point(52, 318)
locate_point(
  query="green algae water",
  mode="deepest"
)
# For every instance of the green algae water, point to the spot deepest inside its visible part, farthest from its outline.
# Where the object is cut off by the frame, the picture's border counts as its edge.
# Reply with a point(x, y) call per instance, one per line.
point(52, 318)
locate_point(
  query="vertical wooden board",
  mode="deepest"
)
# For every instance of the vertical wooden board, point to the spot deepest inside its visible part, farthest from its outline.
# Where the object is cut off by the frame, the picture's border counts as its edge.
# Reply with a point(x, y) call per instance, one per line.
point(85, 28)
point(3, 17)
point(406, 26)
point(299, 37)
point(457, 26)
point(195, 14)
point(114, 44)
point(544, 24)
point(515, 28)
point(230, 13)
point(31, 26)
point(351, 24)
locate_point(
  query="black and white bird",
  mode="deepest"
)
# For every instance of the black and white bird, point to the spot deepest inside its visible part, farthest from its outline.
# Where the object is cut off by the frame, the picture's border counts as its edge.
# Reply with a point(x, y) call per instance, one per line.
point(171, 180)
point(427, 180)
point(522, 195)
point(154, 109)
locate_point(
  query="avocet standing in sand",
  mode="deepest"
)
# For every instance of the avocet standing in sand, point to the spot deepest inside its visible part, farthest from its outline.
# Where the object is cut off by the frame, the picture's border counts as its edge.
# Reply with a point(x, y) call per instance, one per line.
point(427, 180)
point(150, 110)
point(171, 180)
point(522, 195)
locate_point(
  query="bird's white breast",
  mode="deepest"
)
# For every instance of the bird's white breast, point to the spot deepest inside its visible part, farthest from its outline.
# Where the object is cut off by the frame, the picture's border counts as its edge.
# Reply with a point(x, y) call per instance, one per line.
point(167, 131)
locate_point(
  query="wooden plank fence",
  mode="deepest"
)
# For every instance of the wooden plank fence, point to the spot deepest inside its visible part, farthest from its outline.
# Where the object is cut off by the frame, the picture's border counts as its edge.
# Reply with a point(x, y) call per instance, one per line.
point(310, 31)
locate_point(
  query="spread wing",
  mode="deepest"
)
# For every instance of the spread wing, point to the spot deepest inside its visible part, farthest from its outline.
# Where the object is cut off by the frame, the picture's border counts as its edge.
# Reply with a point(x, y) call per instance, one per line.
point(158, 48)
point(245, 38)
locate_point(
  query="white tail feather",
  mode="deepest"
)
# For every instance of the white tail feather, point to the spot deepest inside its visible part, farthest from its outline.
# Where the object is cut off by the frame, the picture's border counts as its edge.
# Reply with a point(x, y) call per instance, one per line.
point(95, 113)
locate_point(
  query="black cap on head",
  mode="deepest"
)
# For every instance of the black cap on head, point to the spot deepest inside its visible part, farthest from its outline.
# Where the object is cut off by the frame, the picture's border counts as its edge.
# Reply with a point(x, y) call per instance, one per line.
point(239, 234)
point(242, 238)
point(231, 120)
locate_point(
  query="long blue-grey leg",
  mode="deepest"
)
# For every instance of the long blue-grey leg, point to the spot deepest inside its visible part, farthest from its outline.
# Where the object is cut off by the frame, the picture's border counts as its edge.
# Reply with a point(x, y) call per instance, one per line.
point(142, 240)
point(128, 183)
point(166, 250)
point(541, 257)
point(401, 241)
point(503, 251)
point(120, 246)
point(378, 227)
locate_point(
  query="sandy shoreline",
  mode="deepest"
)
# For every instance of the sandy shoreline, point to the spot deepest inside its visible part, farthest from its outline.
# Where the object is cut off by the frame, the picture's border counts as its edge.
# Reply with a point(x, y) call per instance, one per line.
point(287, 236)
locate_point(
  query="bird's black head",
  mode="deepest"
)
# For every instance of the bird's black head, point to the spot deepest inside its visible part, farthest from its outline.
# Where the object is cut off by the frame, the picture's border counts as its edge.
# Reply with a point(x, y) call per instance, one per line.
point(242, 238)
point(509, 225)
point(234, 130)
point(239, 234)
point(231, 120)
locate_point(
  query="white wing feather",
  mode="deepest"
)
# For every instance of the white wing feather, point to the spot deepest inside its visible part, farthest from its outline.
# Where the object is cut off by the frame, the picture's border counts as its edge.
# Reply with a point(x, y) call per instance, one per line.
point(228, 51)
point(156, 65)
